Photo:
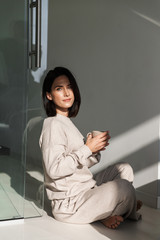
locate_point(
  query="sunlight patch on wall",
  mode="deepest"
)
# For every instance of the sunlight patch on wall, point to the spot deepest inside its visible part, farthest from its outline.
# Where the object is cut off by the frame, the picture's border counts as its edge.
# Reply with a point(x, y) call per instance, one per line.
point(133, 140)
point(130, 142)
point(151, 20)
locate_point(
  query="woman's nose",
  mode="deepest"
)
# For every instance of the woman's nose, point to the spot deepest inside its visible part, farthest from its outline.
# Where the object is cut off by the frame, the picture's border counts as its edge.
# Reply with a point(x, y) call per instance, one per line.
point(66, 92)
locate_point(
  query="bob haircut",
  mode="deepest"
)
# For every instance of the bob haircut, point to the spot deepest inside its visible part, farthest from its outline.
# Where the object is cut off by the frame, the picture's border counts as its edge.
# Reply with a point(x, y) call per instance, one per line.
point(49, 105)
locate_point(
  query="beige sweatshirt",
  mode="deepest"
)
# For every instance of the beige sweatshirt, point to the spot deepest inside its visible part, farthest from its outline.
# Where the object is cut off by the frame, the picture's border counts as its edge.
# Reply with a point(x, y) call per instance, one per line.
point(66, 158)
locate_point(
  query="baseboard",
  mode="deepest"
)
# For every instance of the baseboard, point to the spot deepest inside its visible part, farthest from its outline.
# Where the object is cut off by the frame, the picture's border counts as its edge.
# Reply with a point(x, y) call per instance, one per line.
point(148, 199)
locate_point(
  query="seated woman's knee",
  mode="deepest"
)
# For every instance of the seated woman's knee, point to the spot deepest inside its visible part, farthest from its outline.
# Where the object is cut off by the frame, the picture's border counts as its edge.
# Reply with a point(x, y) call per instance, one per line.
point(127, 189)
point(126, 171)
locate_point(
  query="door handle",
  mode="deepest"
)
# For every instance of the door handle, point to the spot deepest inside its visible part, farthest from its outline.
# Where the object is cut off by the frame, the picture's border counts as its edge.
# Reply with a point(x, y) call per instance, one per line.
point(35, 49)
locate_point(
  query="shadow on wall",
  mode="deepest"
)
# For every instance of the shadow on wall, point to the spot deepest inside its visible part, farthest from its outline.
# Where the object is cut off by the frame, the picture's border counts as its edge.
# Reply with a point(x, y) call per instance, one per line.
point(145, 192)
point(140, 150)
point(135, 145)
point(118, 72)
point(133, 159)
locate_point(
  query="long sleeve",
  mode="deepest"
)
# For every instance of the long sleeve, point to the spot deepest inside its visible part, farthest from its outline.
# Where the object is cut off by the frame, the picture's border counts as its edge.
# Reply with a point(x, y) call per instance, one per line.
point(93, 159)
point(59, 162)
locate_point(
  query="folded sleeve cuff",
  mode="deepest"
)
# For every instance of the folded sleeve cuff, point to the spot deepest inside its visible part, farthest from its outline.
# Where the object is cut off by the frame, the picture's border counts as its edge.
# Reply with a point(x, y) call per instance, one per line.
point(86, 152)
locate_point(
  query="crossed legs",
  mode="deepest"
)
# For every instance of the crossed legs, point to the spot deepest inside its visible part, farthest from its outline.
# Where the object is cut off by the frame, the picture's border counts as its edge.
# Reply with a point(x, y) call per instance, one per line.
point(111, 201)
point(117, 171)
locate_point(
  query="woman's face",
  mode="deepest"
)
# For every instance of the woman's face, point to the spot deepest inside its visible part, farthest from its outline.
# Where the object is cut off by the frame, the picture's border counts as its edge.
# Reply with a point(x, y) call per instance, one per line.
point(61, 94)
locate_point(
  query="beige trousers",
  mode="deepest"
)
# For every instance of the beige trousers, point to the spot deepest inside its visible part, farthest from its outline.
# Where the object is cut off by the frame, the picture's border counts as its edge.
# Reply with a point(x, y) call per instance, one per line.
point(113, 195)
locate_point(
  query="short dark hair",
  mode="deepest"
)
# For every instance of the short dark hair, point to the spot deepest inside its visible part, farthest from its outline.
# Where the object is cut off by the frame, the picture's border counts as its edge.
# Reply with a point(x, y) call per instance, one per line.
point(49, 105)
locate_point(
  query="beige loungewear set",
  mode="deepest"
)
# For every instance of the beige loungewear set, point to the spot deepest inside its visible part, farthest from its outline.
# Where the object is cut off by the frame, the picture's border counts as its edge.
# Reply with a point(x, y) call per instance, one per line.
point(76, 196)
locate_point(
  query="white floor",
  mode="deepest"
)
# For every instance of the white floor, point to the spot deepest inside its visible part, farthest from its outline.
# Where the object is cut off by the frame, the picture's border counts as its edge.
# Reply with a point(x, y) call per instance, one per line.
point(46, 228)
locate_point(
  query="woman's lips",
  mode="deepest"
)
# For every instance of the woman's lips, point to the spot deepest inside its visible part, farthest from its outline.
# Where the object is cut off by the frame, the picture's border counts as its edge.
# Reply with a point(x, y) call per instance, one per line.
point(67, 100)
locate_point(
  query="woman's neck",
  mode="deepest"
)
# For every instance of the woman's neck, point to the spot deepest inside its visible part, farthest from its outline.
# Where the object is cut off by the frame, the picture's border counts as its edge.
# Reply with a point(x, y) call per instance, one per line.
point(64, 113)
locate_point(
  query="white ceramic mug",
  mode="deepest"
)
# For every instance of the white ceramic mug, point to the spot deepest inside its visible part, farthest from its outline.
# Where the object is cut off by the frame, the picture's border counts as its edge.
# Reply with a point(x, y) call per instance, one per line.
point(95, 133)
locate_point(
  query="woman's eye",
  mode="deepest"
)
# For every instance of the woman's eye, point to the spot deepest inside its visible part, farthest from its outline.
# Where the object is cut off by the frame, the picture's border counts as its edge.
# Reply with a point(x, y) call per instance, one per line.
point(58, 89)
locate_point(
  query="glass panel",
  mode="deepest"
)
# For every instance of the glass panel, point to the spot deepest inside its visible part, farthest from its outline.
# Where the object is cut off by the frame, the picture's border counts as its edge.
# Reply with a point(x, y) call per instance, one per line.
point(21, 172)
point(34, 189)
point(13, 79)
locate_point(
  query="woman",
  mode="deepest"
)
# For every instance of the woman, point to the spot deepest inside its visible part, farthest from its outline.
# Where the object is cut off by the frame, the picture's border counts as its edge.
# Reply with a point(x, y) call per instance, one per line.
point(76, 196)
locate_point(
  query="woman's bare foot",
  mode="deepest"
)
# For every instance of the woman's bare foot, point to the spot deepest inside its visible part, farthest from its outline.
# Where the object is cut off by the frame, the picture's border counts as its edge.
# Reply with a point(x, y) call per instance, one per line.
point(113, 221)
point(139, 205)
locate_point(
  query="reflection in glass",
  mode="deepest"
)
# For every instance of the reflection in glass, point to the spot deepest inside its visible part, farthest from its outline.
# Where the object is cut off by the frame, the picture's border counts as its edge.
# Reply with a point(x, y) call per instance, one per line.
point(21, 189)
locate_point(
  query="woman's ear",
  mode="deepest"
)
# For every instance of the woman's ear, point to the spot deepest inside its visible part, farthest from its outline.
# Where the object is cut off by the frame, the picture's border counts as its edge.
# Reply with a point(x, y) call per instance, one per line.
point(49, 96)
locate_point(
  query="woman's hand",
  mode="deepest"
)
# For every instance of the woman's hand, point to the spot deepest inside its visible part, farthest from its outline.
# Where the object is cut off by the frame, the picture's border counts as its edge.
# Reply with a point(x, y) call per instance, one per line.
point(99, 142)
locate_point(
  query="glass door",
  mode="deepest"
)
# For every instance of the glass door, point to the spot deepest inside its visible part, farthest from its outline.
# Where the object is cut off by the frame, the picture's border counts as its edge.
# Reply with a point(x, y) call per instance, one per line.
point(21, 178)
point(13, 82)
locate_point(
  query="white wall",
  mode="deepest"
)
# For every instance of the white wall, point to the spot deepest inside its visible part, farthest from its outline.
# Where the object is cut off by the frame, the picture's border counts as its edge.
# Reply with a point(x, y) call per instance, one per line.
point(113, 48)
